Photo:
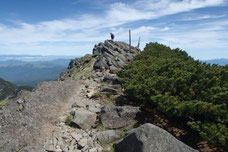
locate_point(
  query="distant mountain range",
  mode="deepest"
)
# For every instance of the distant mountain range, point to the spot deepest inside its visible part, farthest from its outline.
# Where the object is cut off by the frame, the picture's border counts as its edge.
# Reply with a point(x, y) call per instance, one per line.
point(33, 58)
point(221, 61)
point(27, 70)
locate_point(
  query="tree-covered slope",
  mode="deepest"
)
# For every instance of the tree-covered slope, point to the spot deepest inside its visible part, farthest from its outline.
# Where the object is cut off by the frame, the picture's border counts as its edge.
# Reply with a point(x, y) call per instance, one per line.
point(9, 90)
point(177, 85)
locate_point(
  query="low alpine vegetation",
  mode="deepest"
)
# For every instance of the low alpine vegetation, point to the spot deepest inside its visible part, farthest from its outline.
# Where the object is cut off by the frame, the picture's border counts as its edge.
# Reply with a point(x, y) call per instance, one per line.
point(179, 86)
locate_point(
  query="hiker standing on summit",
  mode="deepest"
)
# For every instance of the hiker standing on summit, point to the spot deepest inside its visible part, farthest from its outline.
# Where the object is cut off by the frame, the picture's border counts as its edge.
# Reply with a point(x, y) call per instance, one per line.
point(112, 36)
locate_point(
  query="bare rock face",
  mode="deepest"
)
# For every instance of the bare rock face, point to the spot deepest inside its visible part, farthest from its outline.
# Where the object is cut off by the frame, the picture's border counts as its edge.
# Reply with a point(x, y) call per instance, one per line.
point(150, 138)
point(118, 116)
point(112, 55)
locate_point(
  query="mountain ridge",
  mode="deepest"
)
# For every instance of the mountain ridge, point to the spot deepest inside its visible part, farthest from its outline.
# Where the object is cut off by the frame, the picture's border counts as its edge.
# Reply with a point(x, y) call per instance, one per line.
point(220, 61)
point(24, 73)
point(77, 111)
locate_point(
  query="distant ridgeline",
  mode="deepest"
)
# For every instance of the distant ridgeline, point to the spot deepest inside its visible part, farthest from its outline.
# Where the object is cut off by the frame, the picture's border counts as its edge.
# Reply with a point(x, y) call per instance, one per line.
point(30, 73)
point(10, 90)
point(217, 61)
point(177, 85)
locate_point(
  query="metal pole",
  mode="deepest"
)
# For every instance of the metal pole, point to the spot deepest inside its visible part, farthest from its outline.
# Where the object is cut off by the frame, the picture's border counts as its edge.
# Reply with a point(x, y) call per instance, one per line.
point(129, 40)
point(139, 42)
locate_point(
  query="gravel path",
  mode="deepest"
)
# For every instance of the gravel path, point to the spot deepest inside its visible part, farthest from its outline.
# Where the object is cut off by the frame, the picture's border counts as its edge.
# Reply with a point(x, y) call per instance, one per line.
point(27, 121)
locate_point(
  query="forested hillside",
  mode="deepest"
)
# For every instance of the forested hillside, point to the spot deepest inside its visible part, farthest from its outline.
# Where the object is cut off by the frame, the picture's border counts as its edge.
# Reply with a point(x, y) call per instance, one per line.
point(180, 87)
point(10, 90)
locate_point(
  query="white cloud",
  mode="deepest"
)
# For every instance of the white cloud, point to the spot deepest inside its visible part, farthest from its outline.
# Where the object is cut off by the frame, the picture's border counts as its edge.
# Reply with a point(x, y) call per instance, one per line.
point(167, 7)
point(90, 28)
point(202, 17)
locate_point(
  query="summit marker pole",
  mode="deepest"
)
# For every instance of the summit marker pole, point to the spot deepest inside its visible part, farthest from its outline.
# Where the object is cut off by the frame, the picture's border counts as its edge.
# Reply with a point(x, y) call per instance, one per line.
point(129, 40)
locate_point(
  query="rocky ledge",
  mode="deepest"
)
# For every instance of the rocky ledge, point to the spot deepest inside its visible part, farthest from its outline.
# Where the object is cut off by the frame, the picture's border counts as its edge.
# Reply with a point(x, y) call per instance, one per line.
point(108, 56)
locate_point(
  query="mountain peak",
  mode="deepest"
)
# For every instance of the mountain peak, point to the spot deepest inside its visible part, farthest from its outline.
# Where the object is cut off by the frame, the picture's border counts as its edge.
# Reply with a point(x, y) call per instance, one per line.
point(107, 56)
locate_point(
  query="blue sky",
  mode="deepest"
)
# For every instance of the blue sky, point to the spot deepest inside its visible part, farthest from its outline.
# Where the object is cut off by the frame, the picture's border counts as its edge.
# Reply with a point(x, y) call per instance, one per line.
point(73, 27)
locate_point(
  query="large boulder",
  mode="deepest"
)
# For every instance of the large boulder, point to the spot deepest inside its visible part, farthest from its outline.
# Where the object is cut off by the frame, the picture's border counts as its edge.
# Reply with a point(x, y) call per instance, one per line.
point(84, 118)
point(150, 138)
point(118, 116)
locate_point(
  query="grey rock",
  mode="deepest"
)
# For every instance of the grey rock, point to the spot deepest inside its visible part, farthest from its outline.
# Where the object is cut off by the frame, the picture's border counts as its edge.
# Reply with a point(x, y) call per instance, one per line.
point(72, 112)
point(20, 101)
point(71, 148)
point(150, 138)
point(118, 116)
point(84, 118)
point(108, 89)
point(100, 64)
point(49, 148)
point(109, 78)
point(93, 150)
point(78, 104)
point(120, 63)
point(91, 94)
point(55, 141)
point(76, 136)
point(78, 61)
point(113, 55)
point(85, 149)
point(96, 75)
point(97, 80)
point(108, 136)
point(94, 109)
point(83, 142)
point(113, 69)
point(59, 150)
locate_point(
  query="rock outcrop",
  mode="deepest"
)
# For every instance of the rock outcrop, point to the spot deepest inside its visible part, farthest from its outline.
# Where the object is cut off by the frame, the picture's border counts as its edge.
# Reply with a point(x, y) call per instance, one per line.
point(113, 55)
point(110, 55)
point(118, 116)
point(150, 138)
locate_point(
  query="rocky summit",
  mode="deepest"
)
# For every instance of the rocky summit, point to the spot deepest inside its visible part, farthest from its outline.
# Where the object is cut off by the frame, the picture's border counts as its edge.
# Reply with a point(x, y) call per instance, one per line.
point(113, 55)
point(78, 112)
point(108, 56)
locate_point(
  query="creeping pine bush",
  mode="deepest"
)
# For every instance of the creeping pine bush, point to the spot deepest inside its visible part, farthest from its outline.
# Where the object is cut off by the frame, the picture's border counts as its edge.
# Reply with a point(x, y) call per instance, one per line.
point(179, 86)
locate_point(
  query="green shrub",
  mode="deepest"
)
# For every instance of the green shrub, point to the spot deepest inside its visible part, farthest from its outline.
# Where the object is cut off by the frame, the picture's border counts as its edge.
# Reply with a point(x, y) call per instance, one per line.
point(176, 84)
point(68, 119)
point(2, 103)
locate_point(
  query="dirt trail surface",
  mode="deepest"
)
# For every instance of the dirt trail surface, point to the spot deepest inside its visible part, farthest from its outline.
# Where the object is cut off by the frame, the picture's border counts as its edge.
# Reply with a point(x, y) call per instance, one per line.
point(26, 121)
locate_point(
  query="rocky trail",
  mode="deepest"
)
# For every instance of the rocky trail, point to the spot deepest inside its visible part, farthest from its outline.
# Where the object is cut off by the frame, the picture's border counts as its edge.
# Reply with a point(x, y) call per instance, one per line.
point(79, 112)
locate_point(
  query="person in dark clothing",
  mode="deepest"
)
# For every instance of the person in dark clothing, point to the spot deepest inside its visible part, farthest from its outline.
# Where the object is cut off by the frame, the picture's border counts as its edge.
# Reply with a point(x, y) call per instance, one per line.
point(112, 36)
